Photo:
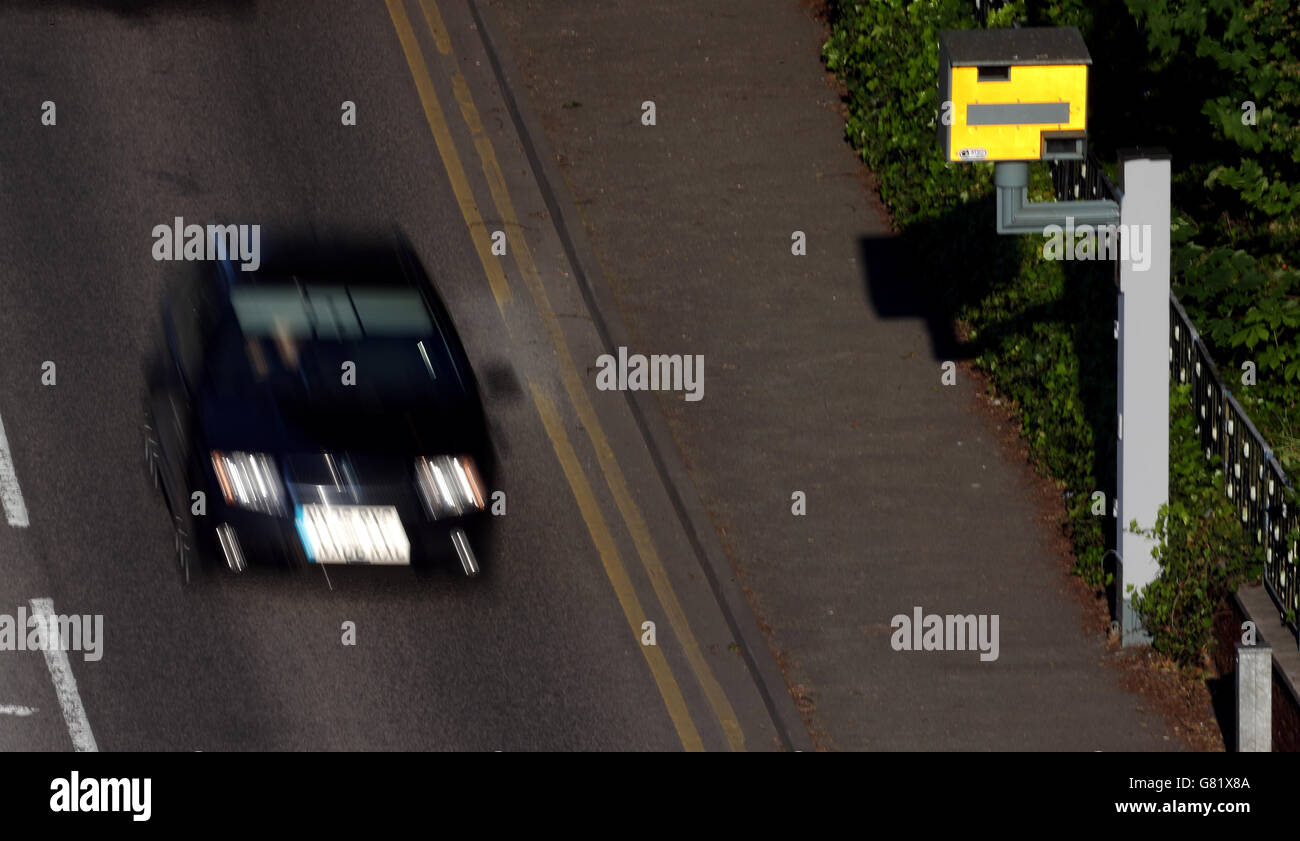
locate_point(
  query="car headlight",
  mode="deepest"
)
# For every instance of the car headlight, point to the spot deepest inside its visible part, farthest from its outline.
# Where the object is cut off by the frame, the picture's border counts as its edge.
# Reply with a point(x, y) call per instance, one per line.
point(449, 485)
point(249, 480)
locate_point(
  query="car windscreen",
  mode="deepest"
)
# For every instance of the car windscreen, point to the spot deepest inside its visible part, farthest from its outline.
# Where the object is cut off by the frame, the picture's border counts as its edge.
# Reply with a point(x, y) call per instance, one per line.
point(331, 312)
point(377, 347)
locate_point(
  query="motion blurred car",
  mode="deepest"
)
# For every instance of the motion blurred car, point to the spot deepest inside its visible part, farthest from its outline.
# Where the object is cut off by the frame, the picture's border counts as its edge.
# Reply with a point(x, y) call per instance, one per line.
point(324, 406)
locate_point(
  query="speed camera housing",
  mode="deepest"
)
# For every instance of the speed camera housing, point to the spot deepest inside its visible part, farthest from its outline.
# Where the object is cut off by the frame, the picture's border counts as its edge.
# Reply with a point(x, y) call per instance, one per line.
point(1015, 94)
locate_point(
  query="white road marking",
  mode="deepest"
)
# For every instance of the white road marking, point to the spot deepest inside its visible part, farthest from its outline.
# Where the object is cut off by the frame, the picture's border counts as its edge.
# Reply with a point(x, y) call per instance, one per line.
point(65, 686)
point(14, 709)
point(10, 494)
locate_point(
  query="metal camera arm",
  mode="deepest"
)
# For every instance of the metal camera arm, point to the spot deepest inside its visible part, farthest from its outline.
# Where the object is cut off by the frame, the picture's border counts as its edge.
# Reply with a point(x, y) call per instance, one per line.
point(1018, 215)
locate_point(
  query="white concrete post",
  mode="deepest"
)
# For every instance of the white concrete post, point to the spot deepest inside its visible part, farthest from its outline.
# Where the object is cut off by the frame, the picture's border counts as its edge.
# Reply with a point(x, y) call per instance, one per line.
point(1254, 698)
point(1143, 423)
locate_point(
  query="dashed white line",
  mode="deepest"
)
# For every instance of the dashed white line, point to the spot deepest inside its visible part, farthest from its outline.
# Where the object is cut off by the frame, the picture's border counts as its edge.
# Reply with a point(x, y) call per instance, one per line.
point(65, 686)
point(14, 709)
point(10, 494)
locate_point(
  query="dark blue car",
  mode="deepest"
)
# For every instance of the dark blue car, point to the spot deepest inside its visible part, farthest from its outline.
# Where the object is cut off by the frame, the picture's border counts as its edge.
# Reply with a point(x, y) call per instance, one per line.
point(319, 410)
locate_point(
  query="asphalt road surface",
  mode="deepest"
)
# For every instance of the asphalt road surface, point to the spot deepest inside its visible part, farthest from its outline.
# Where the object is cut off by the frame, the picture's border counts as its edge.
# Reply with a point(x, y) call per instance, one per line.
point(232, 112)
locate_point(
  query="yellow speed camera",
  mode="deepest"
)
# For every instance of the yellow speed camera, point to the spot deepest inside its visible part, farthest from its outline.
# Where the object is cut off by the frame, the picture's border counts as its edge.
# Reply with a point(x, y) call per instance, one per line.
point(1013, 94)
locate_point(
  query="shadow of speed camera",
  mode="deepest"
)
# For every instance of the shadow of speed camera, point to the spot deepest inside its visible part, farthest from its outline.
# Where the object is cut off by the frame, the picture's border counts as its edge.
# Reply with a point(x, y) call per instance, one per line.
point(1013, 94)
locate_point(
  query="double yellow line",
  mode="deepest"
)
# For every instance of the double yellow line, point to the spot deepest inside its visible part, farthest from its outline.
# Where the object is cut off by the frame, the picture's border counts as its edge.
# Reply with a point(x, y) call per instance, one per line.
point(574, 387)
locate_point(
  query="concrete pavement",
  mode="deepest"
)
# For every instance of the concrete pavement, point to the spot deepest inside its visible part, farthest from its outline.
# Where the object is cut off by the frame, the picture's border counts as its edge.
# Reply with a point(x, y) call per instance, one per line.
point(810, 387)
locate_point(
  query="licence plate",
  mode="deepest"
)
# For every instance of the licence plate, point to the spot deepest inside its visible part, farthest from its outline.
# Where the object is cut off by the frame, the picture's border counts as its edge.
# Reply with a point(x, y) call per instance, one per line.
point(352, 534)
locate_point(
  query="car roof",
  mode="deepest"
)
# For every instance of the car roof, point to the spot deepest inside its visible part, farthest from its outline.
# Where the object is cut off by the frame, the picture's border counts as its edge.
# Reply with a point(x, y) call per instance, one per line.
point(311, 261)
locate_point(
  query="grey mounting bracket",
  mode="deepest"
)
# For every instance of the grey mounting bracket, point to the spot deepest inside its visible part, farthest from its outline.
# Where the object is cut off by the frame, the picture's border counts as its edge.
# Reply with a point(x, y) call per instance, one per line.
point(1018, 215)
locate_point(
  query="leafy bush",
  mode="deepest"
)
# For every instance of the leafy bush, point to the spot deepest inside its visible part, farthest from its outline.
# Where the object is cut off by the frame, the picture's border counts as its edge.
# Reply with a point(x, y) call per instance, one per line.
point(886, 54)
point(1237, 188)
point(1204, 552)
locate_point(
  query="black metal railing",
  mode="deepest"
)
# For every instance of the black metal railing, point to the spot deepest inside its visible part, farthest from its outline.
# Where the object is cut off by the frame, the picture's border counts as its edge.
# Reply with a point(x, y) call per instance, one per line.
point(1083, 180)
point(1256, 483)
point(984, 7)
